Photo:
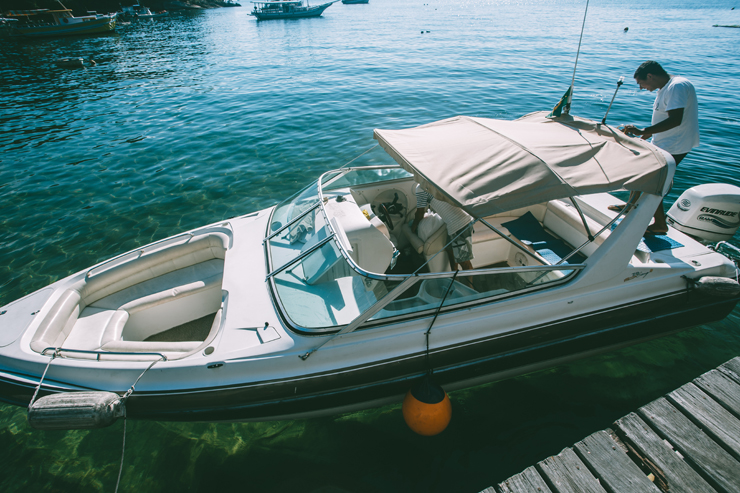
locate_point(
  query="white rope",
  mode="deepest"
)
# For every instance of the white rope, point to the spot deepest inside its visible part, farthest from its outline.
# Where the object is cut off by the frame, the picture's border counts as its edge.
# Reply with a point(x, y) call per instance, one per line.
point(38, 387)
point(123, 400)
point(131, 390)
point(123, 450)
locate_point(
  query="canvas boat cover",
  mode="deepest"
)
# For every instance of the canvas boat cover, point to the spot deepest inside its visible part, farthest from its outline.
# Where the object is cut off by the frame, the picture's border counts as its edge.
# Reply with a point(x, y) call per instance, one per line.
point(489, 166)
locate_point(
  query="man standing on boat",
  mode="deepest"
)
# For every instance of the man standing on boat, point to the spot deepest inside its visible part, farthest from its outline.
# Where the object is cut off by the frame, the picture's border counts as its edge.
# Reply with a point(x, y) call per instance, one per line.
point(675, 122)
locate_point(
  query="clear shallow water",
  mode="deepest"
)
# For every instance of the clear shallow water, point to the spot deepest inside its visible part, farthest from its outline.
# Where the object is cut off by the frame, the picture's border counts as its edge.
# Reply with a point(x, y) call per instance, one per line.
point(196, 118)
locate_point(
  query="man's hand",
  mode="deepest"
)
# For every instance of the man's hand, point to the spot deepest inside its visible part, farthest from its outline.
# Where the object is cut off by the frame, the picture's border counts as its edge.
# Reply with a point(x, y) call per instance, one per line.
point(633, 131)
point(675, 117)
point(417, 218)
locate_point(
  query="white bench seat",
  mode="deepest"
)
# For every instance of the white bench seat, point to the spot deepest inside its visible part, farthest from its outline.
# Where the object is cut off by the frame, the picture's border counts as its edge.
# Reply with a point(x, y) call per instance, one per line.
point(120, 305)
point(179, 283)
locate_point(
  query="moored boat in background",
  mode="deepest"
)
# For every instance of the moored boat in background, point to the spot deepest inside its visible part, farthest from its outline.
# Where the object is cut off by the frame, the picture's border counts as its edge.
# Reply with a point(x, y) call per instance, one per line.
point(45, 22)
point(137, 11)
point(287, 9)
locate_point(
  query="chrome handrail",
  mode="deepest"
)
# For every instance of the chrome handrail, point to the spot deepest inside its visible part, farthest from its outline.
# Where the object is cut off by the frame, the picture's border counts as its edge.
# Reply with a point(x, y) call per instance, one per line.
point(123, 353)
point(140, 251)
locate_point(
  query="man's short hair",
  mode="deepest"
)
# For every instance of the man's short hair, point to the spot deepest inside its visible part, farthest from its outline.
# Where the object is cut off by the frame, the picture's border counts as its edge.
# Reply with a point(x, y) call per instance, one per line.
point(650, 67)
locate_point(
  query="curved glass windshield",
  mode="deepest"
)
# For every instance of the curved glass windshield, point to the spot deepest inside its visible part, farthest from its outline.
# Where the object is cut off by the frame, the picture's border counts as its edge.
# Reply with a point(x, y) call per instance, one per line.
point(359, 176)
point(330, 274)
point(321, 290)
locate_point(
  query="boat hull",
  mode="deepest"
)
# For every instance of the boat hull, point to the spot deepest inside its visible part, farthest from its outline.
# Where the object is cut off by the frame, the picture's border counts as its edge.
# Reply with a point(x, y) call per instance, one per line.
point(475, 362)
point(311, 12)
point(94, 26)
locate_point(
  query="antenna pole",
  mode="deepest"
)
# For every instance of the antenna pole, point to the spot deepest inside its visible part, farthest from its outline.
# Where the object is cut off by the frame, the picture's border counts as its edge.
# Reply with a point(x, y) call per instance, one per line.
point(619, 84)
point(566, 110)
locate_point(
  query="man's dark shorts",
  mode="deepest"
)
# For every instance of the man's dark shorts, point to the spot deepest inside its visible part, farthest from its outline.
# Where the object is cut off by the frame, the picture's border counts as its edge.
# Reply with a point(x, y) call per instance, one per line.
point(462, 246)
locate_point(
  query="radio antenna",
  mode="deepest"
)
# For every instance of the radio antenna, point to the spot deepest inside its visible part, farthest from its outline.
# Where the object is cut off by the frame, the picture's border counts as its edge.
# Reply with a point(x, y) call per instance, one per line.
point(619, 84)
point(566, 110)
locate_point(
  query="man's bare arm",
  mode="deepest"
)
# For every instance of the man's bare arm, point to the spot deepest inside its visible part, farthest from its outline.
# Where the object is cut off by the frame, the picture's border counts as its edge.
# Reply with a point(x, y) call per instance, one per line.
point(417, 218)
point(675, 117)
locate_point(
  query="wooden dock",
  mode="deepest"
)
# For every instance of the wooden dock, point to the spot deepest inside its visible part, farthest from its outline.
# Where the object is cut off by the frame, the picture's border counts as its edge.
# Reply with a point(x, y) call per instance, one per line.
point(687, 441)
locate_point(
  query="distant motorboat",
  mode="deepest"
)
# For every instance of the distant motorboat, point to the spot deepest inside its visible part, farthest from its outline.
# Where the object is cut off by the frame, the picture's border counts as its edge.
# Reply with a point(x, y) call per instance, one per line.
point(137, 11)
point(45, 22)
point(348, 2)
point(288, 9)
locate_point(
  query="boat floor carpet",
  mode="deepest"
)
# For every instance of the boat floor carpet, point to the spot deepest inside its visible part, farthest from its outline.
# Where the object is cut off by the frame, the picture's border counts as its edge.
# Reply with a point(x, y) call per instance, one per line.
point(492, 282)
point(195, 330)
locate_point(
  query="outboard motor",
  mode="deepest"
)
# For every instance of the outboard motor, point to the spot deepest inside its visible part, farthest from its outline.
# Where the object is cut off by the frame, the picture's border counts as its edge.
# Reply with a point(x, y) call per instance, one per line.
point(709, 212)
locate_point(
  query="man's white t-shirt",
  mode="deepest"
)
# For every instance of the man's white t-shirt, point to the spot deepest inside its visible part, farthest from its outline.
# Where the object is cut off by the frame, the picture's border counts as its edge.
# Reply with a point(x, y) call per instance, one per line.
point(454, 217)
point(677, 93)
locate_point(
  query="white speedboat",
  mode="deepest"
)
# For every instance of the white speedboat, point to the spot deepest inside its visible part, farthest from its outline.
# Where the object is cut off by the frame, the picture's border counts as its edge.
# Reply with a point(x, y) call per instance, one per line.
point(311, 307)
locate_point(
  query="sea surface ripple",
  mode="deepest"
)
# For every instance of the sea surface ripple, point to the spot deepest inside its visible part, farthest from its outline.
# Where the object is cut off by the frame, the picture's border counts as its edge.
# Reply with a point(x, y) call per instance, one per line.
point(202, 116)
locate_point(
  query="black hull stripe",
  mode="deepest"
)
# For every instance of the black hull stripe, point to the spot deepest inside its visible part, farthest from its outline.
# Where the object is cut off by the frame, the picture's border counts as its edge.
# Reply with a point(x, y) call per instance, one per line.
point(495, 355)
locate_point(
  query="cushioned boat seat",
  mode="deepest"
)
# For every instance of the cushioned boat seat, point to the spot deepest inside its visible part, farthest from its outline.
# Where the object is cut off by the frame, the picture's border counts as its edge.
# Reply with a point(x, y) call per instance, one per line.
point(529, 231)
point(92, 314)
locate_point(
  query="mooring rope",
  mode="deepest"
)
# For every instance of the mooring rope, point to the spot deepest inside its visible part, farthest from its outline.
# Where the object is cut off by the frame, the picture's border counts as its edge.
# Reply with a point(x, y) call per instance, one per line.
point(38, 387)
point(449, 288)
point(123, 401)
point(123, 450)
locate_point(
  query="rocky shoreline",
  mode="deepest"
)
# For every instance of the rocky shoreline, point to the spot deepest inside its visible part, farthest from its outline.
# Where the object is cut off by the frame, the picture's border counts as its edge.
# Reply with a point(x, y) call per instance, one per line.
point(80, 7)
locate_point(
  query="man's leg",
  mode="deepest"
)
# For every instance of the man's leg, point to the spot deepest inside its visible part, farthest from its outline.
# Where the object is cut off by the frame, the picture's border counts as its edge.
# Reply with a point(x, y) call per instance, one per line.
point(451, 258)
point(659, 225)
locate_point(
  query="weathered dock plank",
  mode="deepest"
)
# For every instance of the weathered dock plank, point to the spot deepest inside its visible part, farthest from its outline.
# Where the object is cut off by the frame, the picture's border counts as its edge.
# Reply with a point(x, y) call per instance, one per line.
point(611, 465)
point(670, 470)
point(567, 474)
point(732, 368)
point(527, 481)
point(715, 420)
point(719, 467)
point(722, 388)
point(687, 441)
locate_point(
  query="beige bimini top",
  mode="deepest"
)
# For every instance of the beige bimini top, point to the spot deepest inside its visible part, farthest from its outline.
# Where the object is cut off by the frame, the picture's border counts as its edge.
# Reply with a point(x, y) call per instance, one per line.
point(489, 166)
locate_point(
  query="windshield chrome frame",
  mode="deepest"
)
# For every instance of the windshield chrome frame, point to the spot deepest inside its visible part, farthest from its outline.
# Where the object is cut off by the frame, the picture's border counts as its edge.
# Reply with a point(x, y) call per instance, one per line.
point(291, 223)
point(362, 321)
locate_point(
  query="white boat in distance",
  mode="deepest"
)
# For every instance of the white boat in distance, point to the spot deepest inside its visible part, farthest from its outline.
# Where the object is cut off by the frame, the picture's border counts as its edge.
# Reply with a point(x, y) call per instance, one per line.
point(305, 308)
point(137, 11)
point(287, 9)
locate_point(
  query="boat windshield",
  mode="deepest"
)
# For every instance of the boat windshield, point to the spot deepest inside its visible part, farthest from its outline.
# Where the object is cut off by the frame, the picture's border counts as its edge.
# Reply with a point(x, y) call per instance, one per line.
point(321, 291)
point(298, 221)
point(320, 285)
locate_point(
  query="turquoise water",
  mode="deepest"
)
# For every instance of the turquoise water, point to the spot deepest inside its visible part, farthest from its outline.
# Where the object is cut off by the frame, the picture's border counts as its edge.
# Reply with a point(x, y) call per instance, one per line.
point(199, 117)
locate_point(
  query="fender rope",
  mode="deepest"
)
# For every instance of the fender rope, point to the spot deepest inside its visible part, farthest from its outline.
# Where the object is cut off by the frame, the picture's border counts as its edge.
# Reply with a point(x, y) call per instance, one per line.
point(123, 400)
point(449, 288)
point(43, 375)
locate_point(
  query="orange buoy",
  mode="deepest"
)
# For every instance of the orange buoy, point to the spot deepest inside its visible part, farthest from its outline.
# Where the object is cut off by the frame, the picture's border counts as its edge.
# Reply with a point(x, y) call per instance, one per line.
point(426, 408)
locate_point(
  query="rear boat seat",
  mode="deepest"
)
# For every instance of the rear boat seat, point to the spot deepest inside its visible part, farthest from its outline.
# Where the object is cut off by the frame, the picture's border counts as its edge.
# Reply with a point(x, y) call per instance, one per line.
point(563, 219)
point(91, 315)
point(484, 252)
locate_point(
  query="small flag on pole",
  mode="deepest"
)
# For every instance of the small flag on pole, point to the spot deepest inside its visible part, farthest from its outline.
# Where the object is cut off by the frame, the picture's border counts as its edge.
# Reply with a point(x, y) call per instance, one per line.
point(563, 104)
